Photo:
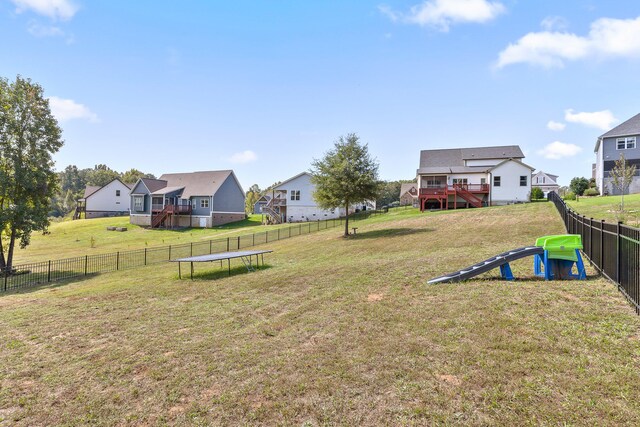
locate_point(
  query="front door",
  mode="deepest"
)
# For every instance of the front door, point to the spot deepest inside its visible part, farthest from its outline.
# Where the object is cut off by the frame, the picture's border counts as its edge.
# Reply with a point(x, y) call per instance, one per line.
point(203, 222)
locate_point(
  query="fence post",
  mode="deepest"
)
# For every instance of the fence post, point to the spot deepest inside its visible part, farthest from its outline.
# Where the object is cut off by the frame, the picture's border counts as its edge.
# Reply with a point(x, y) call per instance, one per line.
point(228, 244)
point(210, 246)
point(278, 234)
point(86, 261)
point(254, 239)
point(618, 249)
point(118, 260)
point(145, 256)
point(6, 276)
point(49, 272)
point(238, 242)
point(591, 239)
point(169, 252)
point(601, 245)
point(191, 250)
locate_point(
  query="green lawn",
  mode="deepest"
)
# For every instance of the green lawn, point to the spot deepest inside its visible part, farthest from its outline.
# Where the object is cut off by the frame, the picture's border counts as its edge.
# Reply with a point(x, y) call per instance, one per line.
point(606, 207)
point(335, 331)
point(90, 236)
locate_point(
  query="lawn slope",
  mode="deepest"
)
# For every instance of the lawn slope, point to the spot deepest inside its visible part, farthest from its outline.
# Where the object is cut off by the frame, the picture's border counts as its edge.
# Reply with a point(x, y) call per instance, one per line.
point(335, 331)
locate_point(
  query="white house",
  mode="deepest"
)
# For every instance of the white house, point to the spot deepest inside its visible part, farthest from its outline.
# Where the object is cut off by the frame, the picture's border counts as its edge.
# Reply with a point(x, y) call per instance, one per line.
point(545, 181)
point(292, 201)
point(111, 199)
point(473, 177)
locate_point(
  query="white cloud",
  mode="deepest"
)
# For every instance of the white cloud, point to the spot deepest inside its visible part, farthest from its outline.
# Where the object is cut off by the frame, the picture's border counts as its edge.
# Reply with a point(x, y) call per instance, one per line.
point(603, 120)
point(555, 125)
point(554, 23)
point(246, 156)
point(68, 109)
point(54, 9)
point(442, 13)
point(38, 30)
point(607, 38)
point(559, 150)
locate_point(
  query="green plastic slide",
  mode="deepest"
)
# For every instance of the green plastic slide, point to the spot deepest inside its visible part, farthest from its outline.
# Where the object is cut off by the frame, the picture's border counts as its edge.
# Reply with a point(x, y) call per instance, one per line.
point(561, 246)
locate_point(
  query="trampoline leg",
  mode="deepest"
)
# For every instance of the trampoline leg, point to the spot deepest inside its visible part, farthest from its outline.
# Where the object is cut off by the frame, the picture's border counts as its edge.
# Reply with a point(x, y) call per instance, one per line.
point(505, 271)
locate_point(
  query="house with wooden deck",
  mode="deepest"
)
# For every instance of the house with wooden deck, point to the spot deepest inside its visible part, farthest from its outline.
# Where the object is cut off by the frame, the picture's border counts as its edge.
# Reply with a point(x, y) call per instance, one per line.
point(193, 199)
point(111, 199)
point(292, 201)
point(473, 177)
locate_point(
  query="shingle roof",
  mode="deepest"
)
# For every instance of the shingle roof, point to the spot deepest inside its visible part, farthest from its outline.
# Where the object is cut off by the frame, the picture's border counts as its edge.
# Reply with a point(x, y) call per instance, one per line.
point(154, 184)
point(90, 189)
point(205, 183)
point(450, 157)
point(407, 186)
point(630, 127)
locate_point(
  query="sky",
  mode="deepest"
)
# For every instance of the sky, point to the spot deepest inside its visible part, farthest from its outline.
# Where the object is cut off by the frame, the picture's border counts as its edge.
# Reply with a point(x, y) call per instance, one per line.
point(266, 87)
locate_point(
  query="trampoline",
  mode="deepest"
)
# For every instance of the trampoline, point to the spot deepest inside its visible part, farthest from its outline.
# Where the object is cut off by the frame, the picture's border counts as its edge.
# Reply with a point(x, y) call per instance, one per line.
point(245, 256)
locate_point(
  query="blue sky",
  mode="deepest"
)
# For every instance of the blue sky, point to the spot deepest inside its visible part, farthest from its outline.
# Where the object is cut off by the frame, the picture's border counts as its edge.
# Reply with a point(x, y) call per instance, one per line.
point(264, 87)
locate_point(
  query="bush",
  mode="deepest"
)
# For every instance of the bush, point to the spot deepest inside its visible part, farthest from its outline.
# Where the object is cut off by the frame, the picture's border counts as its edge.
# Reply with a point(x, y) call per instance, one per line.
point(591, 192)
point(537, 193)
point(578, 185)
point(570, 196)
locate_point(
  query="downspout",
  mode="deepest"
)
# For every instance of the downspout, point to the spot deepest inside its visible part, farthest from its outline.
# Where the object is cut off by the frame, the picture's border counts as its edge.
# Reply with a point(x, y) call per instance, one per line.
point(490, 188)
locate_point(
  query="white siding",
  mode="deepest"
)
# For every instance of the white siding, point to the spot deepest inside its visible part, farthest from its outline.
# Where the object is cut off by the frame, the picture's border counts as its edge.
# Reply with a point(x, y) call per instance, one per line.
point(105, 199)
point(472, 178)
point(482, 162)
point(306, 208)
point(600, 168)
point(510, 190)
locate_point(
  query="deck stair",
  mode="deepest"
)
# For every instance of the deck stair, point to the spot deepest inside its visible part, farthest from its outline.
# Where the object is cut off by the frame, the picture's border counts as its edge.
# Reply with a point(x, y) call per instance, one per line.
point(474, 200)
point(158, 218)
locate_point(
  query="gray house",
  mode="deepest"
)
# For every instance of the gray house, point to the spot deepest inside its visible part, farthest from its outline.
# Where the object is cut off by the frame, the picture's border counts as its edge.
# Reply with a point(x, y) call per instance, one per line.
point(194, 199)
point(622, 139)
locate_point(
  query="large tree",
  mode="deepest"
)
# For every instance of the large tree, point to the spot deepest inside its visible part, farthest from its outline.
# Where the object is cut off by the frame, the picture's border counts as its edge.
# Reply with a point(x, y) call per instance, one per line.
point(346, 175)
point(621, 176)
point(251, 197)
point(578, 185)
point(29, 136)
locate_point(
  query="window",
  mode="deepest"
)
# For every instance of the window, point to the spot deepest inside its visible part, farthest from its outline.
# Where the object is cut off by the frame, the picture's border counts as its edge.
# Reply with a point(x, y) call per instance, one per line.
point(459, 181)
point(138, 203)
point(204, 203)
point(626, 143)
point(523, 180)
point(117, 193)
point(295, 194)
point(496, 181)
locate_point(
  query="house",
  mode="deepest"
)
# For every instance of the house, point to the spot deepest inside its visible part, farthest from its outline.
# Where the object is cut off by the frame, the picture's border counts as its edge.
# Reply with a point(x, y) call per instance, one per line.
point(473, 177)
point(292, 201)
point(409, 194)
point(545, 181)
point(194, 199)
point(111, 199)
point(260, 203)
point(622, 139)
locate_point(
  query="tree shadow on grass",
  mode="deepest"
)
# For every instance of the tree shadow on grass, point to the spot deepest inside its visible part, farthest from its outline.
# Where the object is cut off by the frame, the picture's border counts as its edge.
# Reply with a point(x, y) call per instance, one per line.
point(217, 272)
point(389, 232)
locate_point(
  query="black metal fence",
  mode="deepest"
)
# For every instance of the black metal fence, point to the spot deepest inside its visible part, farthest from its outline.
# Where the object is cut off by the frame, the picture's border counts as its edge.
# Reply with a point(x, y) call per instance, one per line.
point(613, 249)
point(36, 273)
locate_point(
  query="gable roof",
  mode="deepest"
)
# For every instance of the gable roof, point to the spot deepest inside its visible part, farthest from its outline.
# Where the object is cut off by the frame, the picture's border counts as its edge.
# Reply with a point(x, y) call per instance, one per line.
point(407, 186)
point(291, 179)
point(450, 157)
point(629, 127)
point(204, 183)
point(511, 160)
point(553, 177)
point(89, 190)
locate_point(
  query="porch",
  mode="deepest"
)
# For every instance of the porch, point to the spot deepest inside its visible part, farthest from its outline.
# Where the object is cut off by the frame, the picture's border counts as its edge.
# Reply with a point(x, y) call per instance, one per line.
point(447, 196)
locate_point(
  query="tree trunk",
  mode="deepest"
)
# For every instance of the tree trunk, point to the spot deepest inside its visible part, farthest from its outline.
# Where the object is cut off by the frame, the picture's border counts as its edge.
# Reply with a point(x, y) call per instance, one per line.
point(12, 242)
point(346, 220)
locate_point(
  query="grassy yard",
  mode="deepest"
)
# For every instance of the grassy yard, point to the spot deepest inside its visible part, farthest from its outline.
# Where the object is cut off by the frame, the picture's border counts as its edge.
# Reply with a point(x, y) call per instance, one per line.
point(90, 236)
point(335, 331)
point(606, 207)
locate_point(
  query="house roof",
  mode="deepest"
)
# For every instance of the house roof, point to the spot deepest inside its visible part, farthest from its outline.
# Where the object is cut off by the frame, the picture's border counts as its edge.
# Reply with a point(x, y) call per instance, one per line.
point(166, 190)
point(554, 177)
point(407, 186)
point(450, 157)
point(153, 184)
point(454, 169)
point(204, 183)
point(290, 179)
point(90, 189)
point(629, 127)
point(511, 160)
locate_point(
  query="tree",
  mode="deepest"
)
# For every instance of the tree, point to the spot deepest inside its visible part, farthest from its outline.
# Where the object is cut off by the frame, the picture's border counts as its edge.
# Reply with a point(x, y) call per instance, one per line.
point(578, 185)
point(101, 175)
point(345, 175)
point(537, 193)
point(29, 136)
point(621, 176)
point(133, 175)
point(252, 196)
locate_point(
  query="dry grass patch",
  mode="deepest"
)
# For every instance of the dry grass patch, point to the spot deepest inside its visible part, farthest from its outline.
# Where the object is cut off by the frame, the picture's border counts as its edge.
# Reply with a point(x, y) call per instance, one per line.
point(338, 331)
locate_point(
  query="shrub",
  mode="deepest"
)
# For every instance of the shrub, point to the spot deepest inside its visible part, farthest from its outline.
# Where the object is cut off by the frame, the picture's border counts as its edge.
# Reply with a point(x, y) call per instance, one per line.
point(591, 192)
point(537, 193)
point(570, 196)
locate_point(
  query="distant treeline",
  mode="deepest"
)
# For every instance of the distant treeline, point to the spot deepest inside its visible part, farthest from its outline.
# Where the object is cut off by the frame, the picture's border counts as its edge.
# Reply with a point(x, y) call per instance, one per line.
point(73, 182)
